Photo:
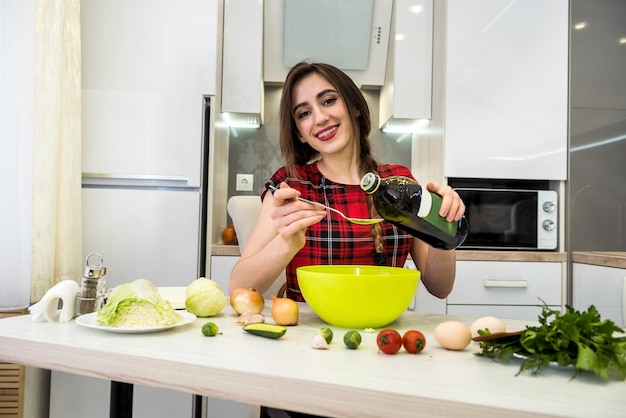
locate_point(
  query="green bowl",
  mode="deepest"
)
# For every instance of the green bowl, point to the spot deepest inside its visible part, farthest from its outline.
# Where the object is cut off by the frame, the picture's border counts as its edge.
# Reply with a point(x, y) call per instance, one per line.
point(358, 296)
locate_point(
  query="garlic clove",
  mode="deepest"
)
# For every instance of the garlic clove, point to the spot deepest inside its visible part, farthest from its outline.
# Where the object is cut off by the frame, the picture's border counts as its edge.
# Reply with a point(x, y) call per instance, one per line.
point(244, 317)
point(256, 318)
point(319, 342)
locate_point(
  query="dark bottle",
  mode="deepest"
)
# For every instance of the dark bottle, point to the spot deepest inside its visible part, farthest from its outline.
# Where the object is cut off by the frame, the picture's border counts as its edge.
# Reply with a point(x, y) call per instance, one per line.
point(408, 205)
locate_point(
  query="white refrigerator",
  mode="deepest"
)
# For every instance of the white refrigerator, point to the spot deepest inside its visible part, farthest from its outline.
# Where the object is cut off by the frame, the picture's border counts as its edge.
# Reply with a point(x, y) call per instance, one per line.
point(148, 69)
point(144, 212)
point(144, 182)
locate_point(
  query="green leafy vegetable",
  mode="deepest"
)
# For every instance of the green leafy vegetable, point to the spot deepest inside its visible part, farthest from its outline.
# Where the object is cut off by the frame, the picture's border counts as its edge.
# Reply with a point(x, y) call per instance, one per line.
point(204, 298)
point(581, 340)
point(137, 304)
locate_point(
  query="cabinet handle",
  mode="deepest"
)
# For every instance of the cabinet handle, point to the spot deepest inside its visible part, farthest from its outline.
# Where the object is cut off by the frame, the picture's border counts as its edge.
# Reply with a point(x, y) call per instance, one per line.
point(505, 283)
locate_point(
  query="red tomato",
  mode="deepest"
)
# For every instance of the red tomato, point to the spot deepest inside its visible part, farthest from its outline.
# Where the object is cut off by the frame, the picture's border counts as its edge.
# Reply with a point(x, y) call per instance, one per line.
point(413, 341)
point(389, 341)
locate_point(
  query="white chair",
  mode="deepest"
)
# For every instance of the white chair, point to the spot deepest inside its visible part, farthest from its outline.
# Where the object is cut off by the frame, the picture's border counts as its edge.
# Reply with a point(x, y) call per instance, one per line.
point(244, 211)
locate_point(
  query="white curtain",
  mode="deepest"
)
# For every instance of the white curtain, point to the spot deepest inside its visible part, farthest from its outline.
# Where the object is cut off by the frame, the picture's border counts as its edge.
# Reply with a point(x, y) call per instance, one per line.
point(16, 133)
point(56, 182)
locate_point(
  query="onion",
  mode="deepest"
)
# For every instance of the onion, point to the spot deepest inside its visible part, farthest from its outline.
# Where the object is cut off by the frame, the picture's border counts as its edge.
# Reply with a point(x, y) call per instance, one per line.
point(244, 300)
point(284, 311)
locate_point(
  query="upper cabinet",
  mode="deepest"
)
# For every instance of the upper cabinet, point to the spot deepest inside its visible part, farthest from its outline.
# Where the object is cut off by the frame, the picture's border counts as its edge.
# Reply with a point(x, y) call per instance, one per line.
point(149, 45)
point(242, 75)
point(407, 92)
point(506, 89)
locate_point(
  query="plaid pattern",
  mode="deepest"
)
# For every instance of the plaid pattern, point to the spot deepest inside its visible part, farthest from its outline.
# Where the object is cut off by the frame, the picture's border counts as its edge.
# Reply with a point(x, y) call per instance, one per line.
point(335, 240)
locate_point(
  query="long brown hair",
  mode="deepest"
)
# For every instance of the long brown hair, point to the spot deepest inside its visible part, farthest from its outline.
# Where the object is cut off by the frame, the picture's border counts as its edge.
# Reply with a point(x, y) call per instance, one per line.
point(296, 152)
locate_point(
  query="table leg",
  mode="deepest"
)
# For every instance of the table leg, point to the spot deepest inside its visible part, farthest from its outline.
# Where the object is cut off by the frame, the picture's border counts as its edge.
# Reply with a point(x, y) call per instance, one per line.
point(199, 407)
point(121, 402)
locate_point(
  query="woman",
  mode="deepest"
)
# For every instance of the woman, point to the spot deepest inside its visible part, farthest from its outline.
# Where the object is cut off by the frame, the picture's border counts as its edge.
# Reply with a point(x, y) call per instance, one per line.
point(324, 140)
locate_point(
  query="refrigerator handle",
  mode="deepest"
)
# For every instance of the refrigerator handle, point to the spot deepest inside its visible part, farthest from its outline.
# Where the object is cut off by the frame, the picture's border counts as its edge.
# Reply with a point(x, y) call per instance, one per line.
point(100, 179)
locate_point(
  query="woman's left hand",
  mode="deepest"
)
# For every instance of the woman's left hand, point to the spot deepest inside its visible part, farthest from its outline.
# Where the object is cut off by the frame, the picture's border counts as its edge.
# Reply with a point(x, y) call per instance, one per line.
point(452, 207)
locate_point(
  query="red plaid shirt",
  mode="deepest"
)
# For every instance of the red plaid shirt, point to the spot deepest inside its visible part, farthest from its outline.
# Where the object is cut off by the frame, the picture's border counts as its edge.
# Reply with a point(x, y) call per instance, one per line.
point(335, 240)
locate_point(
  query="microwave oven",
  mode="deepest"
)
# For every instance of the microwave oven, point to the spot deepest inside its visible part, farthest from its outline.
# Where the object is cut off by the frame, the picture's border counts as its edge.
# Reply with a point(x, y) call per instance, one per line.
point(510, 219)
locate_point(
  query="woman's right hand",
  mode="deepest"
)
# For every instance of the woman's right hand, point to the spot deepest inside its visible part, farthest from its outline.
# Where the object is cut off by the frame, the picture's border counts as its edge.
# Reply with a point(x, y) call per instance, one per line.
point(292, 217)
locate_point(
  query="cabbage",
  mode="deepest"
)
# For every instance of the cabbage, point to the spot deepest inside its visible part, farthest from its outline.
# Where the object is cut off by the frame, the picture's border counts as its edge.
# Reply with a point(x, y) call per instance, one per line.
point(204, 298)
point(137, 304)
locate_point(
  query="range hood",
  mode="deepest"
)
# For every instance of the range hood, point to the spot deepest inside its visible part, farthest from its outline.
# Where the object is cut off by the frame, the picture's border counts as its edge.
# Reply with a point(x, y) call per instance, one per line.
point(350, 34)
point(380, 44)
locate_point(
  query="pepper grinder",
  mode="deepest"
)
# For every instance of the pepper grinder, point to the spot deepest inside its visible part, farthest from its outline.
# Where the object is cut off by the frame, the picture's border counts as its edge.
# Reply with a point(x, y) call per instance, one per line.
point(91, 296)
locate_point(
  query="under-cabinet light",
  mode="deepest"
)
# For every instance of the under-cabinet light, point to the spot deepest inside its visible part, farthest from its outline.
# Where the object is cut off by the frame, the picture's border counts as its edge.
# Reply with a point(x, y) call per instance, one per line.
point(402, 126)
point(242, 120)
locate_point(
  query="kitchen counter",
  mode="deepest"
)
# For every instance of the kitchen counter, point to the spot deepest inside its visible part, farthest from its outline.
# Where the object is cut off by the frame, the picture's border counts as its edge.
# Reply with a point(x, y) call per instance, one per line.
point(471, 255)
point(601, 258)
point(225, 249)
point(287, 373)
point(466, 255)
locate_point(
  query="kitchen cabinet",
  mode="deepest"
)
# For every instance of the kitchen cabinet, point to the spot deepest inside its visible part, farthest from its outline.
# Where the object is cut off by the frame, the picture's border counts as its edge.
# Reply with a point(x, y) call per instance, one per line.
point(601, 286)
point(505, 289)
point(242, 75)
point(506, 89)
point(425, 302)
point(75, 396)
point(221, 266)
point(407, 92)
point(11, 390)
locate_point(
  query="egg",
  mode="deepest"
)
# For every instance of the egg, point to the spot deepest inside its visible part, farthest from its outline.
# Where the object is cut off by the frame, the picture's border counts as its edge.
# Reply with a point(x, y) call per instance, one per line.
point(453, 335)
point(490, 323)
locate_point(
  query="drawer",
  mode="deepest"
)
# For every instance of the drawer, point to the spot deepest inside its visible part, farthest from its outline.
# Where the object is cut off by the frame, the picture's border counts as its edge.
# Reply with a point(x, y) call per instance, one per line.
point(519, 312)
point(507, 283)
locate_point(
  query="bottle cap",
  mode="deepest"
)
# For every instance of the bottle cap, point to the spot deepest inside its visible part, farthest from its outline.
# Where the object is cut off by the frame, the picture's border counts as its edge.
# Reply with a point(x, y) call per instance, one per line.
point(370, 183)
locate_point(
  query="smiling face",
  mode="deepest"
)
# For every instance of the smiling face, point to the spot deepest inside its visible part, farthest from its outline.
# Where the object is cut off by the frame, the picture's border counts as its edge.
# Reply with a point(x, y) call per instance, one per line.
point(300, 141)
point(321, 116)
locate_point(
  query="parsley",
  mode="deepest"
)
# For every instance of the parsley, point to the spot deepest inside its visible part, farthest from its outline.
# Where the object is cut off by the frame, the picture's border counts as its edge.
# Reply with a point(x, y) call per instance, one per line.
point(581, 340)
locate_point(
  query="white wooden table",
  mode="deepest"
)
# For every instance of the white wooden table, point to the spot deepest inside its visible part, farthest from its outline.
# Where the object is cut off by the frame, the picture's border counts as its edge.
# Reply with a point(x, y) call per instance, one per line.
point(288, 374)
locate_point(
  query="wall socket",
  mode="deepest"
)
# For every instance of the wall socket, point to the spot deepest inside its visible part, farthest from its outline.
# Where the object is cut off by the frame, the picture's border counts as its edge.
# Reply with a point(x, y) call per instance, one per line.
point(245, 183)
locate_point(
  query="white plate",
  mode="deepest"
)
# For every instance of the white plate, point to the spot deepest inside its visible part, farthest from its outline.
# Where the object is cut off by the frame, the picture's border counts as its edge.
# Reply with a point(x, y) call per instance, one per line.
point(90, 320)
point(175, 295)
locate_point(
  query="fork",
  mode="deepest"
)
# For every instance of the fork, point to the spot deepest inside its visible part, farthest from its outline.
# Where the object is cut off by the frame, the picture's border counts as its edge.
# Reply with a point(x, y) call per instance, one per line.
point(358, 221)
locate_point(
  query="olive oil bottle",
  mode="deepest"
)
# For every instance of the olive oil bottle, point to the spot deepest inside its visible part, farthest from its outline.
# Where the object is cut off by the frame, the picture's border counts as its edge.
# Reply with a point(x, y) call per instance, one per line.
point(405, 203)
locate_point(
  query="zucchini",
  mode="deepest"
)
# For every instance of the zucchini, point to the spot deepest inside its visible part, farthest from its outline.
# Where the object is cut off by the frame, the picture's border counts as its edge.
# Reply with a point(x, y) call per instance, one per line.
point(265, 330)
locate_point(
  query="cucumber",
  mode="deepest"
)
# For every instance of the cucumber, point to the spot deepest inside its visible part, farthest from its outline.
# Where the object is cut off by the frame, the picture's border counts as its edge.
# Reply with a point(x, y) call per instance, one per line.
point(265, 330)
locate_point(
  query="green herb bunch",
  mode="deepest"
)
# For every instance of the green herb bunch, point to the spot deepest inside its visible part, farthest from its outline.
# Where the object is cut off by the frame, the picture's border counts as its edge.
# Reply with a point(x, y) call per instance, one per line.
point(581, 340)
